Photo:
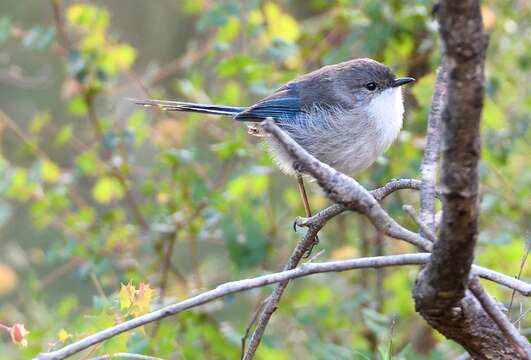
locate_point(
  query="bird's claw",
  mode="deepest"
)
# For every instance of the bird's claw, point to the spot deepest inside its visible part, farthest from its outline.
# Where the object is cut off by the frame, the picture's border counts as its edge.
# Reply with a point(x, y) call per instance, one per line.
point(300, 222)
point(295, 224)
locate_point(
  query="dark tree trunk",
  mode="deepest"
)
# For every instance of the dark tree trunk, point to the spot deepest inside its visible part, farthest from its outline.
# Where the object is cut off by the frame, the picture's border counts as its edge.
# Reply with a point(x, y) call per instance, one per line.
point(440, 293)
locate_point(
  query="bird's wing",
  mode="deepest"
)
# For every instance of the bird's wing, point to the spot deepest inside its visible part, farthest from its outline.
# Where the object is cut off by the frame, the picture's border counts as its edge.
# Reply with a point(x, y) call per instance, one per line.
point(282, 104)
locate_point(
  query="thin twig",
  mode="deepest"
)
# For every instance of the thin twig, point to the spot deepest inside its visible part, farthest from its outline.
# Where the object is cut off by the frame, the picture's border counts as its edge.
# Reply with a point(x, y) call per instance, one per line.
point(11, 124)
point(130, 198)
point(315, 256)
point(379, 288)
point(315, 223)
point(379, 194)
point(508, 281)
point(274, 298)
point(250, 325)
point(394, 185)
point(521, 317)
point(166, 265)
point(92, 117)
point(98, 287)
point(234, 287)
point(522, 264)
point(428, 233)
point(126, 356)
point(60, 24)
point(247, 284)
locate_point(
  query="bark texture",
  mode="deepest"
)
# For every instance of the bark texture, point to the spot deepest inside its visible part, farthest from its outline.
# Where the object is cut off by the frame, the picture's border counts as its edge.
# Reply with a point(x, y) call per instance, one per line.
point(444, 280)
point(440, 293)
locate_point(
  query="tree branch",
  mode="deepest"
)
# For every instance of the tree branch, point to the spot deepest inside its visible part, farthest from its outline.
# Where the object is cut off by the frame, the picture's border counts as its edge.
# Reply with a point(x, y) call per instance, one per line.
point(503, 322)
point(465, 46)
point(315, 223)
point(379, 194)
point(344, 190)
point(480, 271)
point(440, 290)
point(232, 287)
point(428, 169)
point(394, 185)
point(274, 298)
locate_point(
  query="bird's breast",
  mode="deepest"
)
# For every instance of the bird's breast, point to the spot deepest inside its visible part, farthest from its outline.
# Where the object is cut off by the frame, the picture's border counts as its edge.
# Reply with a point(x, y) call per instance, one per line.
point(386, 112)
point(348, 140)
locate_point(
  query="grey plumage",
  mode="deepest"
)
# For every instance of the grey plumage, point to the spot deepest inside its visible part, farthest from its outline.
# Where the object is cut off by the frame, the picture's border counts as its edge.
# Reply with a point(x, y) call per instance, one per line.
point(345, 115)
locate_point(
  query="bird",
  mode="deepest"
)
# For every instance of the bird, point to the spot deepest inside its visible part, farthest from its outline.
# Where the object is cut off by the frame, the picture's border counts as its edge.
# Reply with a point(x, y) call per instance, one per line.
point(346, 115)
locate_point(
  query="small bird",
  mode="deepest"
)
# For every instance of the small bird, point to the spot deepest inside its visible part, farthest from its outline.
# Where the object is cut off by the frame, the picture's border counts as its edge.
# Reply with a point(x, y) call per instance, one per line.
point(346, 115)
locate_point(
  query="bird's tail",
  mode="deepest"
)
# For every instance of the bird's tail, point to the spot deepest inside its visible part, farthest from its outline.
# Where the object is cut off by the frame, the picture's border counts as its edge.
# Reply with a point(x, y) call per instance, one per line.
point(190, 107)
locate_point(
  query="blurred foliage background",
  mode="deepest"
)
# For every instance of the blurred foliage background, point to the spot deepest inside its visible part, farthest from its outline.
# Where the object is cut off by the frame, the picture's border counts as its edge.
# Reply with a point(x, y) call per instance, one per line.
point(99, 198)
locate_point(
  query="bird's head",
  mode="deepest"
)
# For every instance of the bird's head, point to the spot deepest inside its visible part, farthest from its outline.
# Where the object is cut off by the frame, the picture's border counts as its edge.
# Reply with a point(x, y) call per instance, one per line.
point(366, 79)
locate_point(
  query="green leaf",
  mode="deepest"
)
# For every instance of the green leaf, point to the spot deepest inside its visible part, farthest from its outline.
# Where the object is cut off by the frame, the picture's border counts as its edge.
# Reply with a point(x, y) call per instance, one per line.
point(50, 172)
point(107, 189)
point(64, 135)
point(247, 185)
point(39, 121)
point(235, 65)
point(229, 31)
point(117, 57)
point(77, 106)
point(20, 187)
point(87, 162)
point(192, 6)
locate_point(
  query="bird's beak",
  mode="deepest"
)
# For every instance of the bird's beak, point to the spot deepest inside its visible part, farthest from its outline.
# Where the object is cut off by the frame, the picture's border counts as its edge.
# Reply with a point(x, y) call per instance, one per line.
point(402, 81)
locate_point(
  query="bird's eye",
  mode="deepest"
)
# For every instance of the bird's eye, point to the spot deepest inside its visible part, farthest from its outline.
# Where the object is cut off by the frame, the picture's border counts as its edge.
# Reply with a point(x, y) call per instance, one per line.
point(370, 86)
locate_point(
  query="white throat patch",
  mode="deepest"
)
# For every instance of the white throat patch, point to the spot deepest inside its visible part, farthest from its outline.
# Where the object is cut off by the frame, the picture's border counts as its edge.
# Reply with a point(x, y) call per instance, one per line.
point(387, 111)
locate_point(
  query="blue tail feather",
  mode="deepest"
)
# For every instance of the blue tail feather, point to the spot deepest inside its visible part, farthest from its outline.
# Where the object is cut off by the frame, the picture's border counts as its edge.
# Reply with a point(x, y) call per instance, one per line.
point(191, 107)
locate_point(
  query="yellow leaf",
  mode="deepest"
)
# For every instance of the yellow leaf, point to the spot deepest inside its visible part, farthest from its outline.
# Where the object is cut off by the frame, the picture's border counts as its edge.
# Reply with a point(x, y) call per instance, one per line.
point(63, 336)
point(118, 57)
point(143, 298)
point(93, 41)
point(50, 171)
point(88, 16)
point(280, 24)
point(125, 55)
point(126, 296)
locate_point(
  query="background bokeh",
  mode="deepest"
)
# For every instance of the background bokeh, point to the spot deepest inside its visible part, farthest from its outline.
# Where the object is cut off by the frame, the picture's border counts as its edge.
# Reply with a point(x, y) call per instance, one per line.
point(96, 193)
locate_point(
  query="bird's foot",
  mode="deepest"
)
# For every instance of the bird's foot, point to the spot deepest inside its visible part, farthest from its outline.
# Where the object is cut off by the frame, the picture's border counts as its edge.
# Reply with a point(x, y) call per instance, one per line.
point(301, 222)
point(312, 246)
